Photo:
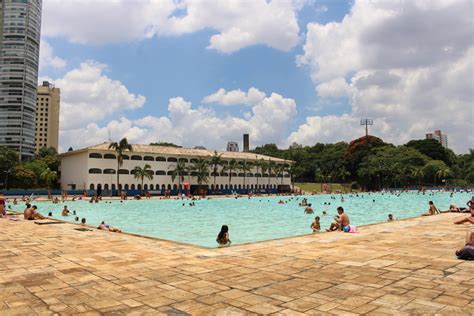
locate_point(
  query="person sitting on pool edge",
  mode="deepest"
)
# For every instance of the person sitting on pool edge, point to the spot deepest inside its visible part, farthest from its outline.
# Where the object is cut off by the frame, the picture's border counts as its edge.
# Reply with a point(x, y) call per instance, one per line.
point(469, 219)
point(334, 225)
point(467, 252)
point(107, 227)
point(223, 237)
point(432, 210)
point(31, 213)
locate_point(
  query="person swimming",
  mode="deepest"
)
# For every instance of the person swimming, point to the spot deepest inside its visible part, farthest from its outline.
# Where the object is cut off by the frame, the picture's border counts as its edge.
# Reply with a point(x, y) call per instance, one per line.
point(390, 218)
point(223, 237)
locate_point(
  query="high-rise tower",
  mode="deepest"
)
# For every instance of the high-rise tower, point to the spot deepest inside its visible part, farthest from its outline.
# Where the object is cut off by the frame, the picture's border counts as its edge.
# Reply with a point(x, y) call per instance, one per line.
point(20, 24)
point(47, 116)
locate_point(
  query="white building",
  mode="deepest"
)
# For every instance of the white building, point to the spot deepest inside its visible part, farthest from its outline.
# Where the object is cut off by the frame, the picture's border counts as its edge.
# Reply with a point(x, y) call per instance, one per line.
point(95, 167)
point(440, 137)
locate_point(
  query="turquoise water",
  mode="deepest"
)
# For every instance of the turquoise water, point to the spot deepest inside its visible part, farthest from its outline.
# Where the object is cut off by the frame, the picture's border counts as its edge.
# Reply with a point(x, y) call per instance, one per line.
point(249, 220)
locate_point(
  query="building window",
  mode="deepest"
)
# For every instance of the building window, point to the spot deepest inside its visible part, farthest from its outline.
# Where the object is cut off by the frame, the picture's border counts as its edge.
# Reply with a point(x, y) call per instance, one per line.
point(160, 159)
point(148, 158)
point(124, 171)
point(95, 155)
point(172, 159)
point(160, 173)
point(183, 159)
point(136, 157)
point(95, 171)
point(109, 171)
point(109, 156)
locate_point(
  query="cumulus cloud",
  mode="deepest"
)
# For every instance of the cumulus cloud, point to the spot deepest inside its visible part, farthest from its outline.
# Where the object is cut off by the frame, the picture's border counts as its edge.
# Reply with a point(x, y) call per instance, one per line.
point(408, 65)
point(47, 57)
point(191, 126)
point(88, 95)
point(235, 97)
point(238, 25)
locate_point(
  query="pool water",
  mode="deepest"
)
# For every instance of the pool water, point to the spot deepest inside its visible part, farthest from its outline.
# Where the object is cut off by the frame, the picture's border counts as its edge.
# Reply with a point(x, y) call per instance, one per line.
point(249, 220)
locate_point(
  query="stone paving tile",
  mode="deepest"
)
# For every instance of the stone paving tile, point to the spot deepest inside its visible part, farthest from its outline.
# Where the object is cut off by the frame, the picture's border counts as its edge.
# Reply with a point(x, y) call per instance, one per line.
point(50, 270)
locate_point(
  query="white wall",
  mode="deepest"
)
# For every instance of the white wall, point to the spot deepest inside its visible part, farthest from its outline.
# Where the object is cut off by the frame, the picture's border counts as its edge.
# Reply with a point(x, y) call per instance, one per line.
point(75, 169)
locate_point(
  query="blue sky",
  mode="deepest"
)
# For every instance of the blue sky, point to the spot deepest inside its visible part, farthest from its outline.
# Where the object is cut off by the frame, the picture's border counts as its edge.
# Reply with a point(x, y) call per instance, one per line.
point(315, 69)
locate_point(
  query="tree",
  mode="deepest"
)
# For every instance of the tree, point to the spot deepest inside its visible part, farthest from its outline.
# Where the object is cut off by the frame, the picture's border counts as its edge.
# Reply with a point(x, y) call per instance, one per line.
point(444, 174)
point(178, 172)
point(49, 176)
point(142, 173)
point(258, 166)
point(270, 168)
point(418, 173)
point(47, 151)
point(432, 167)
point(8, 162)
point(120, 148)
point(230, 168)
point(165, 144)
point(433, 149)
point(215, 162)
point(201, 172)
point(245, 166)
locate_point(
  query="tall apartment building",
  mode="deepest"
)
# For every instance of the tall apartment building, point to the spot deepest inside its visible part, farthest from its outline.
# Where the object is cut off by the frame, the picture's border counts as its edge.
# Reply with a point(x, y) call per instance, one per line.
point(47, 116)
point(20, 25)
point(440, 137)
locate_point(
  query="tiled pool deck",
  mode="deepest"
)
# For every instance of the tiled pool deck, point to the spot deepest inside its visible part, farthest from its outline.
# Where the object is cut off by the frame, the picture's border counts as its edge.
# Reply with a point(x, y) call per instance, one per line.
point(405, 267)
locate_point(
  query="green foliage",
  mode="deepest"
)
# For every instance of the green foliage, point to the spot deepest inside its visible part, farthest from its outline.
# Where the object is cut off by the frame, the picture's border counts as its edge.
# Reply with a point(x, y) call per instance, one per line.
point(142, 173)
point(433, 149)
point(165, 144)
point(8, 160)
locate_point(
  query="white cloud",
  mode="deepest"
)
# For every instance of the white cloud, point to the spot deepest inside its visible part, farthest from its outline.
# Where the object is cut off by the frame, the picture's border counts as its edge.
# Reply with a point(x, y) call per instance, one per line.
point(238, 24)
point(47, 57)
point(88, 95)
point(333, 89)
point(408, 65)
point(235, 97)
point(188, 126)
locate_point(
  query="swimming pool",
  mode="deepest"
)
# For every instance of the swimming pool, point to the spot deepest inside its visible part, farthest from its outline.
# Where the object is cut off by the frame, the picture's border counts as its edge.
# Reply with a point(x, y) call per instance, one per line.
point(249, 220)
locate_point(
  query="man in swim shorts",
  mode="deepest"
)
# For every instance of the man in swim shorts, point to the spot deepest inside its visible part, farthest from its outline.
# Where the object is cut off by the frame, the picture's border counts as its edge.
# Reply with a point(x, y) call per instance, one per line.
point(343, 218)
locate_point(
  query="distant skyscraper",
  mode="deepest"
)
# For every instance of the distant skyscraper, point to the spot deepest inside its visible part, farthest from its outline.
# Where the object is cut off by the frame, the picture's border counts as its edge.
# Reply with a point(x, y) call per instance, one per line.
point(442, 138)
point(232, 146)
point(246, 143)
point(20, 24)
point(47, 116)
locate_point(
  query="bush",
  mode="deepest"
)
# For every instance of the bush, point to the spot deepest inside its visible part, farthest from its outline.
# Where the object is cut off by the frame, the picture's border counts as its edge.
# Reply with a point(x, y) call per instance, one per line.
point(355, 186)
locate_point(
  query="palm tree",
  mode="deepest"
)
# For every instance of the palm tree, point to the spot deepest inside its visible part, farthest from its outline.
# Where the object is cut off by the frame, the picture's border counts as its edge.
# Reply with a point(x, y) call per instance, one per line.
point(215, 162)
point(444, 173)
point(418, 173)
point(245, 166)
point(319, 176)
point(141, 173)
point(178, 171)
point(289, 169)
point(230, 168)
point(270, 168)
point(264, 166)
point(119, 148)
point(258, 165)
point(201, 172)
point(49, 176)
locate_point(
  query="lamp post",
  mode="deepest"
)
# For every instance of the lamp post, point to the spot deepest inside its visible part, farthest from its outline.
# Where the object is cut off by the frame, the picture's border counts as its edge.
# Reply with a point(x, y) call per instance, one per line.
point(366, 122)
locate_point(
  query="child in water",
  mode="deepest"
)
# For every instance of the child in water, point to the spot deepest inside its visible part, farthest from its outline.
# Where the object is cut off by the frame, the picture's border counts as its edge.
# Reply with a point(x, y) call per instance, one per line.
point(223, 237)
point(316, 225)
